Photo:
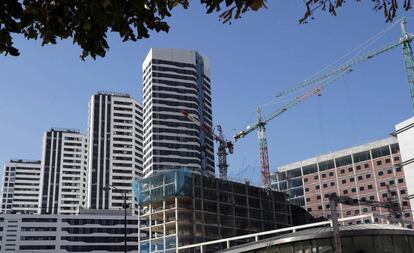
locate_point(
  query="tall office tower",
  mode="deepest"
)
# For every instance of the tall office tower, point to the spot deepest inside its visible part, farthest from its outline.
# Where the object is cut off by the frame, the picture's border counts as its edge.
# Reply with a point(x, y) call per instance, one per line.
point(115, 150)
point(175, 80)
point(21, 190)
point(64, 172)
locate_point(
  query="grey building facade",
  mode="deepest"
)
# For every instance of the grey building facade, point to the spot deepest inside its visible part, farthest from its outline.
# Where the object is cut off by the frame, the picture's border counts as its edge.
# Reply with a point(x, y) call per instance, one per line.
point(175, 80)
point(115, 148)
point(21, 187)
point(64, 172)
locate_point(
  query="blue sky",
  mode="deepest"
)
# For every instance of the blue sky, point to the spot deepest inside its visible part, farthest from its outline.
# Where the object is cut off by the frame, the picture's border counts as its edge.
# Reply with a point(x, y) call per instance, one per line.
point(251, 60)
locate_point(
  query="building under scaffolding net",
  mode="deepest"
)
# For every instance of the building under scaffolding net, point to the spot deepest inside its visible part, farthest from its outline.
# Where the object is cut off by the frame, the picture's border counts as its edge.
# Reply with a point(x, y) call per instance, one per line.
point(182, 207)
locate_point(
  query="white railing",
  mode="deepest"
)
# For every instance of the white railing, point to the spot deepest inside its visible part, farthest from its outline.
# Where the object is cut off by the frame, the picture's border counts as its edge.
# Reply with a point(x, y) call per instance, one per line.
point(275, 232)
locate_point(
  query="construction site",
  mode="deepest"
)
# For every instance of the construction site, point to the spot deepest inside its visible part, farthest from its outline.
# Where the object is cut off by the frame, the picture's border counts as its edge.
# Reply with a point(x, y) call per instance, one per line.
point(181, 207)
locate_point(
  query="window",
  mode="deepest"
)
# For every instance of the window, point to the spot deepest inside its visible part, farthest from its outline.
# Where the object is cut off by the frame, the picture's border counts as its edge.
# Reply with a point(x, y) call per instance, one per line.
point(309, 209)
point(305, 180)
point(317, 187)
point(342, 171)
point(398, 169)
point(382, 184)
point(367, 176)
point(380, 173)
point(358, 167)
point(332, 183)
point(391, 182)
point(316, 177)
point(353, 190)
point(371, 197)
point(307, 199)
point(323, 175)
point(379, 162)
point(318, 197)
point(327, 206)
point(403, 191)
point(365, 210)
point(389, 171)
point(361, 188)
point(348, 212)
point(326, 196)
point(325, 185)
point(345, 191)
point(331, 174)
point(388, 160)
point(359, 177)
point(343, 181)
point(384, 195)
point(407, 215)
point(350, 169)
point(366, 166)
point(356, 211)
point(306, 189)
point(405, 203)
point(310, 169)
point(400, 180)
point(397, 158)
point(319, 207)
point(351, 179)
point(370, 186)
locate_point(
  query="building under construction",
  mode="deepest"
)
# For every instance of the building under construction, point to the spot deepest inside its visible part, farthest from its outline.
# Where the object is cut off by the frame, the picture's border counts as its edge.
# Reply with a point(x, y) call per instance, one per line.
point(182, 207)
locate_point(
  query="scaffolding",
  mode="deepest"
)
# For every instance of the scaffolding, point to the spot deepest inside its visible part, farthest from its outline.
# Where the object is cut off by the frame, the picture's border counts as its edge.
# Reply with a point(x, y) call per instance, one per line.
point(182, 207)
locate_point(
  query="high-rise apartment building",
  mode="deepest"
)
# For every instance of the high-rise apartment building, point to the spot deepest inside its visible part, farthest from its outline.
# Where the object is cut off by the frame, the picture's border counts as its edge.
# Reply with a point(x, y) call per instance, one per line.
point(175, 80)
point(64, 172)
point(21, 187)
point(115, 148)
point(372, 172)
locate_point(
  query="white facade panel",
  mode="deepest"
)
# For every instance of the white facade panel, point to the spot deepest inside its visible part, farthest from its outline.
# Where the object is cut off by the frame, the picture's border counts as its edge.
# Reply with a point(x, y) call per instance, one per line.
point(405, 135)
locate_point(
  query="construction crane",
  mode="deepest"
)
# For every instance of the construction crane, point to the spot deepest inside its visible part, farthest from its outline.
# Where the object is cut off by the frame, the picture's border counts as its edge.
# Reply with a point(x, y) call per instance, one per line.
point(225, 147)
point(320, 82)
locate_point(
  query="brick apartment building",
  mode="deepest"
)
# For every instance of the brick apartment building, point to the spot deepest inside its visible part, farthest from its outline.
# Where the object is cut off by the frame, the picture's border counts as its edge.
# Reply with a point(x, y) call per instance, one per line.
point(371, 172)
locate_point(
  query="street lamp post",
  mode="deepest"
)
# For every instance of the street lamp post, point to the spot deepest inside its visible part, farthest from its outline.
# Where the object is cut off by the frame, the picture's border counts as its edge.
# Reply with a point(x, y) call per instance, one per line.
point(124, 197)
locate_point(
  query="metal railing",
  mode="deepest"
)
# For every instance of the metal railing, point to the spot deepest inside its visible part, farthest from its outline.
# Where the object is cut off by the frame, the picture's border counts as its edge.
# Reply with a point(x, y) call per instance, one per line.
point(255, 236)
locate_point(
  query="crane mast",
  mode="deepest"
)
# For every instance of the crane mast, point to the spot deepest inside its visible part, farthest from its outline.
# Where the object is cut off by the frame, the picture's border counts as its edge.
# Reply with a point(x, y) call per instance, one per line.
point(408, 57)
point(225, 147)
point(264, 153)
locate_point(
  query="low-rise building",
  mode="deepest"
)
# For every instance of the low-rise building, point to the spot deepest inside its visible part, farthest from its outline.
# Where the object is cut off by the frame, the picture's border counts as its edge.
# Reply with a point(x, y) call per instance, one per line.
point(93, 231)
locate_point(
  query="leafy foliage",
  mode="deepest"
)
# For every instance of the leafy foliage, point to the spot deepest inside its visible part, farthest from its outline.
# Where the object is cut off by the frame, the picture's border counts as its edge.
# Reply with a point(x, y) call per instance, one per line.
point(388, 7)
point(89, 21)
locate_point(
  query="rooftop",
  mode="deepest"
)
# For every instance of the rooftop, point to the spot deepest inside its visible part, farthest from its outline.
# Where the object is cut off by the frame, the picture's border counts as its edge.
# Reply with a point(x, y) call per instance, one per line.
point(116, 94)
point(65, 130)
point(25, 161)
point(340, 153)
point(322, 232)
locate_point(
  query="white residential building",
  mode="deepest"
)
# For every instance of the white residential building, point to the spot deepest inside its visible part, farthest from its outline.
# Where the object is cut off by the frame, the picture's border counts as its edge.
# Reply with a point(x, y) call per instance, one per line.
point(21, 187)
point(115, 148)
point(175, 80)
point(64, 172)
